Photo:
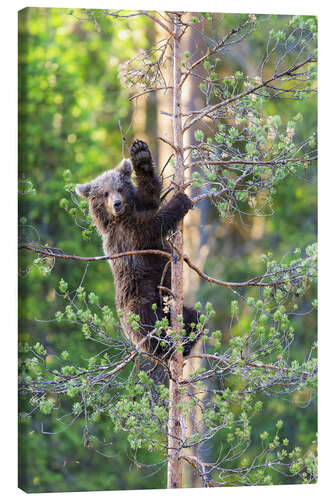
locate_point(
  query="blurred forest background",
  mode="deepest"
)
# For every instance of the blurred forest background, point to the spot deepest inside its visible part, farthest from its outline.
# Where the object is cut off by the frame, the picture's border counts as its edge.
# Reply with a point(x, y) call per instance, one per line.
point(70, 102)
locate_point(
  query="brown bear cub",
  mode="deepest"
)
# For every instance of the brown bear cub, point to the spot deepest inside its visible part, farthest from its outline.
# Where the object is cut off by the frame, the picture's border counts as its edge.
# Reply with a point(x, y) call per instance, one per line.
point(130, 217)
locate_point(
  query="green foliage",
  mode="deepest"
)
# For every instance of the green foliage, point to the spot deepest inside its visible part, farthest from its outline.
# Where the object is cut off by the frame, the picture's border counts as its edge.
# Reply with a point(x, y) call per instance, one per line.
point(46, 406)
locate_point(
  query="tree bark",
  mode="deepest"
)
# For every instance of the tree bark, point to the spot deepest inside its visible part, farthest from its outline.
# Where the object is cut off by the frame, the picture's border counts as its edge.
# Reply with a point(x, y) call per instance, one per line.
point(195, 244)
point(176, 363)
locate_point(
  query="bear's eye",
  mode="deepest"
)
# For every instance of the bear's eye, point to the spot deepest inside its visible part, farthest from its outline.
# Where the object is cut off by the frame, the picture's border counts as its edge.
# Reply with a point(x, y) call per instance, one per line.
point(106, 194)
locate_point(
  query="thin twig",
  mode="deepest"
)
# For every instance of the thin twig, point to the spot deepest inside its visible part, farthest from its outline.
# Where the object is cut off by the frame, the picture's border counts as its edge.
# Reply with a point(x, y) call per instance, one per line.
point(123, 139)
point(164, 26)
point(148, 91)
point(212, 51)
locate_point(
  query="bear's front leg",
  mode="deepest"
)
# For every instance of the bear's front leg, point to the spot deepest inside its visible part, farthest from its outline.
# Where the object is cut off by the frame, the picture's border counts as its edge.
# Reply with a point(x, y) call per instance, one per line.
point(167, 217)
point(148, 181)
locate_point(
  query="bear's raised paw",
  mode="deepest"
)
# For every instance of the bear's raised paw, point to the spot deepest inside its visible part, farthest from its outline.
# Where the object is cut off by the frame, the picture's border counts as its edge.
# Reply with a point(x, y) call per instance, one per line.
point(141, 156)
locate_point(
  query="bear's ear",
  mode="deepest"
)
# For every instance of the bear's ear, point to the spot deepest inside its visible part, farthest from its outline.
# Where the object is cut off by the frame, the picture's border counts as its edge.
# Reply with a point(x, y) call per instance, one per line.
point(83, 189)
point(125, 168)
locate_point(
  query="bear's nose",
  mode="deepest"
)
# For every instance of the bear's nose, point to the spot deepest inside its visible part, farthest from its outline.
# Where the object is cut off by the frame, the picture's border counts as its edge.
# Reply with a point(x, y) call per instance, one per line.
point(117, 204)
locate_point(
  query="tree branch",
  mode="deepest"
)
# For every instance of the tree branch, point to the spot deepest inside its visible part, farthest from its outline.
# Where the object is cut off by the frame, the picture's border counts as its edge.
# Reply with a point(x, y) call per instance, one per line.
point(253, 365)
point(122, 363)
point(196, 464)
point(251, 282)
point(210, 109)
point(49, 253)
point(247, 162)
point(164, 26)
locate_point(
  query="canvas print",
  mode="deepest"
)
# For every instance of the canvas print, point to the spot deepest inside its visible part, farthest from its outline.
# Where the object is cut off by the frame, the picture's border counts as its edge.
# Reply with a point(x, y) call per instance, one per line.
point(167, 249)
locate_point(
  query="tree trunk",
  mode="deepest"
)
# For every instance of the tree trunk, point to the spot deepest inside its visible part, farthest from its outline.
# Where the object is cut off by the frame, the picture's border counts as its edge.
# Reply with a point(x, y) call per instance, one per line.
point(195, 241)
point(176, 363)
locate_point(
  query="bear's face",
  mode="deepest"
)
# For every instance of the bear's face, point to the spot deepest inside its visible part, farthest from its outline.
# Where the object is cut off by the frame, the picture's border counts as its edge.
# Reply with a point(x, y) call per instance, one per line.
point(112, 191)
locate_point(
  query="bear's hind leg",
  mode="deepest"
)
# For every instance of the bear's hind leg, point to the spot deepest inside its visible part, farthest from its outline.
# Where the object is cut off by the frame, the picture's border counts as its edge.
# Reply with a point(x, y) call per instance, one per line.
point(190, 316)
point(159, 344)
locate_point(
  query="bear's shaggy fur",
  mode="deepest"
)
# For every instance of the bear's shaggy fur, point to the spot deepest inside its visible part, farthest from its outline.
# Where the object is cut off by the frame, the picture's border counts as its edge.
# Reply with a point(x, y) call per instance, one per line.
point(130, 217)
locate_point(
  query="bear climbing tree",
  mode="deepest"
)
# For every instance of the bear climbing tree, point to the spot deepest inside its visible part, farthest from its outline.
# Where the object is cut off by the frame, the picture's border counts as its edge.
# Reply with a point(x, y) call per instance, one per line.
point(238, 158)
point(130, 218)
